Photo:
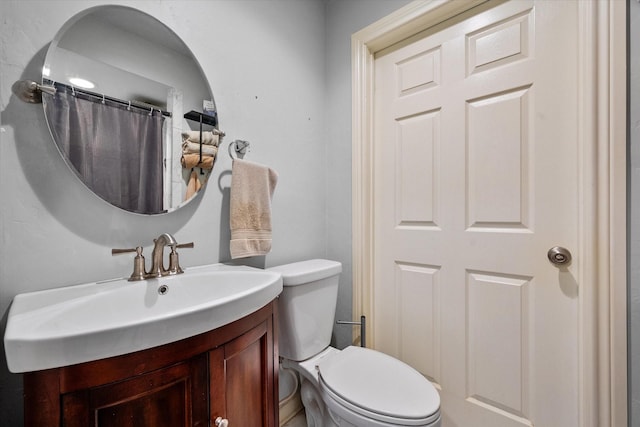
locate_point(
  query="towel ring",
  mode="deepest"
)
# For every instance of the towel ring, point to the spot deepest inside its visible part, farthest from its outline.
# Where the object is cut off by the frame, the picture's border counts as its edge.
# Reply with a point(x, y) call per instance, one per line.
point(240, 147)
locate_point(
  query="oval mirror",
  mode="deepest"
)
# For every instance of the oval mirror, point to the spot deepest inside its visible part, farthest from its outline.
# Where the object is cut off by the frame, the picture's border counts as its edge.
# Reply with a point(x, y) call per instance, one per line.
point(132, 114)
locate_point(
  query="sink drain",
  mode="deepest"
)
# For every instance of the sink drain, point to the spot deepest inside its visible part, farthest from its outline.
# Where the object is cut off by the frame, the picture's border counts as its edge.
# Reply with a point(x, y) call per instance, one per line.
point(163, 289)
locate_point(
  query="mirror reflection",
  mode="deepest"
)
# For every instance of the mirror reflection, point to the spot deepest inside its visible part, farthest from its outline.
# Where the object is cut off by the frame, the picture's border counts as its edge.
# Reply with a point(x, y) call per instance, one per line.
point(133, 114)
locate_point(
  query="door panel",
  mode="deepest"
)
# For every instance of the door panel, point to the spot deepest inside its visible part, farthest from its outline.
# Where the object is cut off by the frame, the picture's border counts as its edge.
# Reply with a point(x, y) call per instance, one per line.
point(475, 163)
point(167, 397)
point(244, 377)
point(241, 379)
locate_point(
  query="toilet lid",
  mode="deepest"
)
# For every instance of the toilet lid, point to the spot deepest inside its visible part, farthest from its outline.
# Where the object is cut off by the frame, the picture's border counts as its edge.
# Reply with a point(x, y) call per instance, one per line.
point(379, 384)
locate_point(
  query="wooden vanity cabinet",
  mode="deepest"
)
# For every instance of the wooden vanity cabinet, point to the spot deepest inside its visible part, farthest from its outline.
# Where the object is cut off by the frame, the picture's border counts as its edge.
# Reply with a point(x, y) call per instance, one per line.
point(230, 372)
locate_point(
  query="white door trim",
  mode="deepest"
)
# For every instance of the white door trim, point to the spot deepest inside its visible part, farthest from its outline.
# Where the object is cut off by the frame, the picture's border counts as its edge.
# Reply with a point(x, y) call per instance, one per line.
point(602, 183)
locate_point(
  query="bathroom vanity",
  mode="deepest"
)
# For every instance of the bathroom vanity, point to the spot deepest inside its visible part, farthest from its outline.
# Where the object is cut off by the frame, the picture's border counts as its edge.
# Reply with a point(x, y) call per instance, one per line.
point(192, 349)
point(229, 373)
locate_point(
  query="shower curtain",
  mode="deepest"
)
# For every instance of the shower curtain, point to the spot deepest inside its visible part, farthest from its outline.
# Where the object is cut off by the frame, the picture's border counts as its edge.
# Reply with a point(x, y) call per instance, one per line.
point(116, 151)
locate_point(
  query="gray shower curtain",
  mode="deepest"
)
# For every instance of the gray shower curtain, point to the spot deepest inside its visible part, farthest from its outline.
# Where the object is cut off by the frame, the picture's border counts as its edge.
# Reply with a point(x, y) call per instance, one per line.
point(115, 151)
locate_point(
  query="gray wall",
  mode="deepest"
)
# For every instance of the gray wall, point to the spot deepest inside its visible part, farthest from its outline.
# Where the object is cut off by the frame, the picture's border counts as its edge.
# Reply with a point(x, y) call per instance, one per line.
point(280, 72)
point(343, 18)
point(634, 213)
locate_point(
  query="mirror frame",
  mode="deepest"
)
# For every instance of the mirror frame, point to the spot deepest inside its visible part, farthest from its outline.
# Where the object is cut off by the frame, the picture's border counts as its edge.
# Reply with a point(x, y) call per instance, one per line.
point(187, 123)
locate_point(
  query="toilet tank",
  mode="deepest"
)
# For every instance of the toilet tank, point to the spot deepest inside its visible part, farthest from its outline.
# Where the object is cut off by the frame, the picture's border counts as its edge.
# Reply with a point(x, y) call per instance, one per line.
point(307, 307)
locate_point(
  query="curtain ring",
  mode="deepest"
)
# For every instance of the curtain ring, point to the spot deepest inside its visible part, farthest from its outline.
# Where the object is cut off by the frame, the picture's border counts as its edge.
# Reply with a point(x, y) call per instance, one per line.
point(129, 106)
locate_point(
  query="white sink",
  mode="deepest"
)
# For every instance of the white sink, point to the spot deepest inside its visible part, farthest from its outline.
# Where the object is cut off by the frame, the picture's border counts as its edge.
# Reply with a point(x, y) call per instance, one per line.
point(75, 324)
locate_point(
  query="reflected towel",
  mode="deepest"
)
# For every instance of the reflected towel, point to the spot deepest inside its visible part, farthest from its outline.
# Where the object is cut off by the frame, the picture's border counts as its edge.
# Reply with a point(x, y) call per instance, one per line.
point(252, 187)
point(208, 137)
point(191, 161)
point(193, 186)
point(192, 147)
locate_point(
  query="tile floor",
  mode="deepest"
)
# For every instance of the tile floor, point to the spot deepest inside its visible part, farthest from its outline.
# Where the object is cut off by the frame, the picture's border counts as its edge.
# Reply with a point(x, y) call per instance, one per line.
point(299, 420)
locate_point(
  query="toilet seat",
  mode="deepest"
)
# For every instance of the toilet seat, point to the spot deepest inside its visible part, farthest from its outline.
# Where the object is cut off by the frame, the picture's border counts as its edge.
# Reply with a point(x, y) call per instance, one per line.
point(378, 387)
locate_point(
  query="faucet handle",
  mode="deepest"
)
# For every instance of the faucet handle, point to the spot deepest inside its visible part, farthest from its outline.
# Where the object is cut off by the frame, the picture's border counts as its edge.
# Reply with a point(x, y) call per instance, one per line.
point(138, 262)
point(174, 263)
point(124, 251)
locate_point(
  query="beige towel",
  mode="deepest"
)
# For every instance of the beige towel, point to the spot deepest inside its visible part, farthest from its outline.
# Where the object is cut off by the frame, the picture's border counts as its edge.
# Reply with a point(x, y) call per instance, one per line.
point(208, 137)
point(191, 161)
point(252, 187)
point(193, 186)
point(193, 148)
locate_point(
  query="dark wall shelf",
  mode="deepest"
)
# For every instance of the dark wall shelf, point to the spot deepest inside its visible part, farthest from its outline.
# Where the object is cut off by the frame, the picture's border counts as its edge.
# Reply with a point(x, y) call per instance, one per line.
point(201, 117)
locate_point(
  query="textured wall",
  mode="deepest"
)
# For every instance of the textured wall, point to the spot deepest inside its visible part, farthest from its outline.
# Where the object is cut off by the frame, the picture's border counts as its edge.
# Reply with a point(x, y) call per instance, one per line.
point(343, 18)
point(265, 63)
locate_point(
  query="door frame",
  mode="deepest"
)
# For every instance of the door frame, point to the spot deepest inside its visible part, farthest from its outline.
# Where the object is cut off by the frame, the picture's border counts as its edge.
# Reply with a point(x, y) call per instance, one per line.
point(602, 301)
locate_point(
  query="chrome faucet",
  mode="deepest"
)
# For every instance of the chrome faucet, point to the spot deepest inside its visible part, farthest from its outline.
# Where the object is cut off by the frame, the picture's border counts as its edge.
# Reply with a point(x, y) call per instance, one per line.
point(157, 256)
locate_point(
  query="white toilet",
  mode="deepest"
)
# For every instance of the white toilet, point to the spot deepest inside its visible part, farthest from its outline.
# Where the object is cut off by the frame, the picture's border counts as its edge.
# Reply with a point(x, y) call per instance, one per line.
point(356, 386)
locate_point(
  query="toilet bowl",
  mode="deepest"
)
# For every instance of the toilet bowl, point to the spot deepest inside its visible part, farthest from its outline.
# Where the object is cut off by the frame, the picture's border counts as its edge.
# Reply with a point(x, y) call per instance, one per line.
point(356, 386)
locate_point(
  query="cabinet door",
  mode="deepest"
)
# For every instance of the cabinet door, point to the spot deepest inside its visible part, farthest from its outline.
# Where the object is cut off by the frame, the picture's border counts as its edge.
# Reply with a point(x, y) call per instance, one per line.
point(242, 379)
point(169, 397)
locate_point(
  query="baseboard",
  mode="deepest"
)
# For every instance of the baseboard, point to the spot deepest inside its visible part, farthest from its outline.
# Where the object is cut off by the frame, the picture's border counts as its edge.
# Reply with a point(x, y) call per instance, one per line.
point(290, 407)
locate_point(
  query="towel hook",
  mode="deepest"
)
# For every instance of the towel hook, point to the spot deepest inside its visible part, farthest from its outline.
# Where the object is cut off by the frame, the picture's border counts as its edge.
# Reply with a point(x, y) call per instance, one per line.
point(240, 147)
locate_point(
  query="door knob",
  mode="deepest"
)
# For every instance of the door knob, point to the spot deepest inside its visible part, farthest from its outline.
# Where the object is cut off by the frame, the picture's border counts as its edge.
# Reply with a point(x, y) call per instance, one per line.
point(559, 256)
point(221, 422)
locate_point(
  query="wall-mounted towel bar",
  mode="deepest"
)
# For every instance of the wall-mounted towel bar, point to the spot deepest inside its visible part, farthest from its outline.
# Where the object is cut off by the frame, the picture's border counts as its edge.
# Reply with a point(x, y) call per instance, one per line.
point(240, 147)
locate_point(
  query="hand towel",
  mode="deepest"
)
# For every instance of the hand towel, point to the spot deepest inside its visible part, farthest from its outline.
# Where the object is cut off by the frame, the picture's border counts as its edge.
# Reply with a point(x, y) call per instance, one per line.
point(193, 186)
point(192, 147)
point(252, 187)
point(191, 161)
point(208, 137)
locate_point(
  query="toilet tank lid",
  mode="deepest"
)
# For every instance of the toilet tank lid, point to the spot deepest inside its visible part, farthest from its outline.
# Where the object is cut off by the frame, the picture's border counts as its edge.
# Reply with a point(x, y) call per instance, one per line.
point(301, 272)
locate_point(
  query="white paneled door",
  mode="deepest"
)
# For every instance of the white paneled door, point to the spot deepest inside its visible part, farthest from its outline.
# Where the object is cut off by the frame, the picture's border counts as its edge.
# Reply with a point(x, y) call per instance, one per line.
point(476, 166)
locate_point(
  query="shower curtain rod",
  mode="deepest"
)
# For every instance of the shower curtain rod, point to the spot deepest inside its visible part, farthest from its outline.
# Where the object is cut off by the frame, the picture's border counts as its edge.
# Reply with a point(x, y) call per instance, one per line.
point(129, 104)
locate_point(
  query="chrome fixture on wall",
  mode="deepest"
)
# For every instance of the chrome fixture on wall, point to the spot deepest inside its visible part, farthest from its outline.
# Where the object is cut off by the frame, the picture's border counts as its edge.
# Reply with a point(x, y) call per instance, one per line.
point(240, 147)
point(30, 91)
point(157, 268)
point(363, 328)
